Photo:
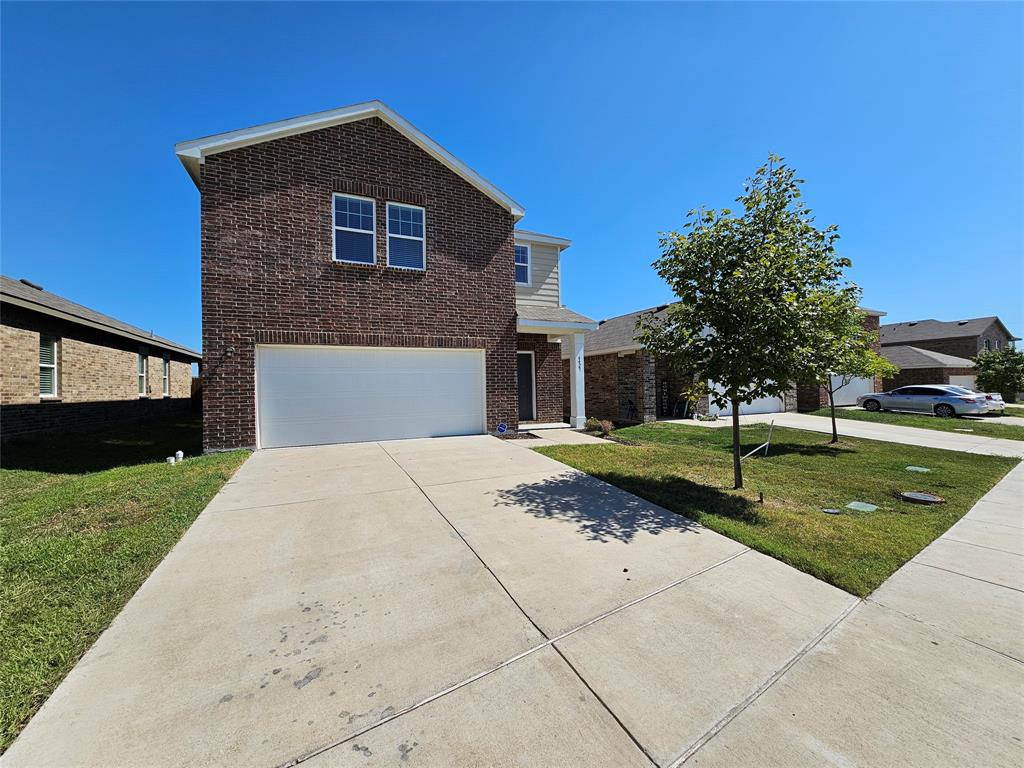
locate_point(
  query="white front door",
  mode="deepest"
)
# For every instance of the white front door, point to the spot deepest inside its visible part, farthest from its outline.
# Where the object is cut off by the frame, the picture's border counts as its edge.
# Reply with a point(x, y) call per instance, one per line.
point(317, 394)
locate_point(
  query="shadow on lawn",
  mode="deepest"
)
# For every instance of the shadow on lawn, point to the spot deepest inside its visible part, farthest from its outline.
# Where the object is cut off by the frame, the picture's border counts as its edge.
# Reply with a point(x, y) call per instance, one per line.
point(783, 448)
point(602, 511)
point(125, 445)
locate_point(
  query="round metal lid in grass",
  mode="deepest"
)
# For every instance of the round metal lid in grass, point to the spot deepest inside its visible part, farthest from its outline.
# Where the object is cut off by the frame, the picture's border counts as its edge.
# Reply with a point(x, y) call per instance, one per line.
point(921, 497)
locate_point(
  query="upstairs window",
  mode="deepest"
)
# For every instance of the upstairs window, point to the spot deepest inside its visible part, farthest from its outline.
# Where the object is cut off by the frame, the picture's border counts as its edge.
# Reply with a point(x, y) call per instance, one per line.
point(47, 366)
point(142, 366)
point(522, 264)
point(355, 237)
point(167, 377)
point(407, 242)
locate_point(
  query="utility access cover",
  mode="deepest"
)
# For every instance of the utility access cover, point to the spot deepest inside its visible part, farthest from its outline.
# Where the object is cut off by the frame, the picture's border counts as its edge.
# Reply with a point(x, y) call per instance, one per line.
point(921, 497)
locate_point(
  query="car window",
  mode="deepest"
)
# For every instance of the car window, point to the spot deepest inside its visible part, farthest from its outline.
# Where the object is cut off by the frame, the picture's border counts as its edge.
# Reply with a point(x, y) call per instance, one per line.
point(932, 392)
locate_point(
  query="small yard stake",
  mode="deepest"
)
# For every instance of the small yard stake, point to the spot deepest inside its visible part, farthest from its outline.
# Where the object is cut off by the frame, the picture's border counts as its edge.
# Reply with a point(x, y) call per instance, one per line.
point(765, 444)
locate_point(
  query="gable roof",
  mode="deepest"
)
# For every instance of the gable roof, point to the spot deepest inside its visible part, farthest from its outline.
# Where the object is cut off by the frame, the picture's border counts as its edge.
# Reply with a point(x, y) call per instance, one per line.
point(928, 330)
point(618, 334)
point(192, 153)
point(22, 294)
point(915, 357)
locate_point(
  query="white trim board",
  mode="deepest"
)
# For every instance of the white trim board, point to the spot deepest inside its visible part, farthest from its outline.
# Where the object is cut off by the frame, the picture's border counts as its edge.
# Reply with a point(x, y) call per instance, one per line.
point(192, 153)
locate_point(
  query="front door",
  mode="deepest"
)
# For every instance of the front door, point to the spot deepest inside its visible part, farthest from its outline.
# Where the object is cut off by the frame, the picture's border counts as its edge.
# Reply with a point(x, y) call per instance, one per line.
point(527, 390)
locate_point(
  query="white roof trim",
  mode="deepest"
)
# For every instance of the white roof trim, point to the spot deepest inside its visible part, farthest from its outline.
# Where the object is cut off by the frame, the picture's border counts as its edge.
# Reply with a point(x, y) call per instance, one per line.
point(192, 153)
point(536, 237)
point(525, 325)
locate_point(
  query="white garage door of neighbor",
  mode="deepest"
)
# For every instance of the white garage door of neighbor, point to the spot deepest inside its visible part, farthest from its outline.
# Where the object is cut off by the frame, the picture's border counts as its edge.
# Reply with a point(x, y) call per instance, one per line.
point(848, 395)
point(318, 395)
point(963, 381)
point(760, 405)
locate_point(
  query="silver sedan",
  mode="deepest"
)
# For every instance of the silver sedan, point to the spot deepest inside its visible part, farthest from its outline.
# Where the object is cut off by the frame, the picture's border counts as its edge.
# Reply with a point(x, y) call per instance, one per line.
point(937, 399)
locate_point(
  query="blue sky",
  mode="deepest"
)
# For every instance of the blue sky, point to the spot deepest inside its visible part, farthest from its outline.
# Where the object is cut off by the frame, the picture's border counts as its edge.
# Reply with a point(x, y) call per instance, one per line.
point(607, 122)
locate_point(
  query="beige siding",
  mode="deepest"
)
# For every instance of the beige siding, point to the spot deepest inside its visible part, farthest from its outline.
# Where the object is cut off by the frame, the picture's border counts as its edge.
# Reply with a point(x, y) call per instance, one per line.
point(543, 288)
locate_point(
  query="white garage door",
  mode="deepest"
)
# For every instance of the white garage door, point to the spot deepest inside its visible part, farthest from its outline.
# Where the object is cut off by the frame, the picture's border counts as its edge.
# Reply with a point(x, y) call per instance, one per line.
point(963, 381)
point(848, 395)
point(760, 405)
point(317, 395)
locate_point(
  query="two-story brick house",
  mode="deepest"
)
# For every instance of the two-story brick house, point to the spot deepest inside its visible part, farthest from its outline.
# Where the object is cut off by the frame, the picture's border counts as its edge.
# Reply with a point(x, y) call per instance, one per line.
point(361, 283)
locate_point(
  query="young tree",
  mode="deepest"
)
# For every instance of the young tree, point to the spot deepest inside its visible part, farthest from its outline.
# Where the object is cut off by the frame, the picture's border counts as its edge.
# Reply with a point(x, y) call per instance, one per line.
point(1001, 370)
point(744, 282)
point(840, 346)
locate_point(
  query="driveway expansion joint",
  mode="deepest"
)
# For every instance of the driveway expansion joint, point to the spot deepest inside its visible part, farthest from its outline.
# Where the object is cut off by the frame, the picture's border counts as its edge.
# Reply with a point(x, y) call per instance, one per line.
point(735, 712)
point(968, 576)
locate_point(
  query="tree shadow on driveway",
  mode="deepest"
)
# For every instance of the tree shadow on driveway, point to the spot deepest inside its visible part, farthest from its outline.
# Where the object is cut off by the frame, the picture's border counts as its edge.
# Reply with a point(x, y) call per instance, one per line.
point(613, 509)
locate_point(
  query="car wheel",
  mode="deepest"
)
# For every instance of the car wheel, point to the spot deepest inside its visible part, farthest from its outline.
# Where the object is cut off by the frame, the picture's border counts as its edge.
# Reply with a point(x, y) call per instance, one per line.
point(872, 405)
point(944, 410)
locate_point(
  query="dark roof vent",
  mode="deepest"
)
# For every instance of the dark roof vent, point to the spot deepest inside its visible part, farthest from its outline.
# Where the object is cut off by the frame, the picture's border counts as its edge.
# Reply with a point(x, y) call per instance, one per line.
point(913, 323)
point(30, 284)
point(602, 322)
point(961, 322)
point(662, 308)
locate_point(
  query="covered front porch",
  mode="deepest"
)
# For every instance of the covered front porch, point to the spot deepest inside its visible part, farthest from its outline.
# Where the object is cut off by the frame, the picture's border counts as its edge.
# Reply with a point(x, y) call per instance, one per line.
point(544, 331)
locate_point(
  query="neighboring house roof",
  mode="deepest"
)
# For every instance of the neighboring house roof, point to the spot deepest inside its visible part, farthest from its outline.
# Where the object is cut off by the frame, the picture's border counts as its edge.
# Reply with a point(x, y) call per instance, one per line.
point(618, 334)
point(928, 330)
point(192, 153)
point(24, 294)
point(914, 357)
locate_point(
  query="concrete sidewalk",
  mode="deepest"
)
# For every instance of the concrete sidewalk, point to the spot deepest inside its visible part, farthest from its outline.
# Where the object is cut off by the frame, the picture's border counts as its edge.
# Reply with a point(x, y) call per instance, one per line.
point(928, 671)
point(888, 433)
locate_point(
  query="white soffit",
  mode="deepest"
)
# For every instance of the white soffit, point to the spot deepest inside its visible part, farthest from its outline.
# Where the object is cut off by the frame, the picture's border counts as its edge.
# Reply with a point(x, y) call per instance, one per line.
point(192, 153)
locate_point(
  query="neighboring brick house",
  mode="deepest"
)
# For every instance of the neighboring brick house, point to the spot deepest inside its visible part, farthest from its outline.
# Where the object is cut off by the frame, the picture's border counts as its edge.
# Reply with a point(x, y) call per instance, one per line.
point(65, 367)
point(361, 283)
point(959, 338)
point(923, 366)
point(810, 397)
point(625, 383)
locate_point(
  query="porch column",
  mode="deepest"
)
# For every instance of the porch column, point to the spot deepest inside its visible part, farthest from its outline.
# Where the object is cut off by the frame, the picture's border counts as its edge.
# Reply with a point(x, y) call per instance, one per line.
point(577, 396)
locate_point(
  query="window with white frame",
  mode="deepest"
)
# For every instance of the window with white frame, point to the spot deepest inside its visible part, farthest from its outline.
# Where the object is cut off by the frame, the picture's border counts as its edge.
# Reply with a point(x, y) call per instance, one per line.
point(142, 367)
point(167, 376)
point(354, 230)
point(522, 264)
point(407, 241)
point(47, 366)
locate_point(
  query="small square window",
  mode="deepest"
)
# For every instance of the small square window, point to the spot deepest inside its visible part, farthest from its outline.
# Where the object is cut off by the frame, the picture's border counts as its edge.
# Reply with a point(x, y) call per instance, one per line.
point(354, 230)
point(407, 240)
point(522, 253)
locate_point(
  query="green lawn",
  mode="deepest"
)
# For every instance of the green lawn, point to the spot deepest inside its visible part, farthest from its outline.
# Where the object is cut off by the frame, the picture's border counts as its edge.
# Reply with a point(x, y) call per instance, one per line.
point(1015, 410)
point(977, 425)
point(688, 469)
point(83, 521)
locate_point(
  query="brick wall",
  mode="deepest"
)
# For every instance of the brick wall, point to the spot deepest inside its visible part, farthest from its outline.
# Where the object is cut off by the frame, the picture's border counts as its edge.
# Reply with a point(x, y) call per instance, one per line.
point(620, 389)
point(267, 264)
point(909, 376)
point(547, 359)
point(810, 397)
point(96, 372)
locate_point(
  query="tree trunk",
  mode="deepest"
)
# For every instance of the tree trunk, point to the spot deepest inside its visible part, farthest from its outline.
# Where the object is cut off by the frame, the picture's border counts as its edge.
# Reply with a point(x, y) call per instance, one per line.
point(832, 409)
point(737, 470)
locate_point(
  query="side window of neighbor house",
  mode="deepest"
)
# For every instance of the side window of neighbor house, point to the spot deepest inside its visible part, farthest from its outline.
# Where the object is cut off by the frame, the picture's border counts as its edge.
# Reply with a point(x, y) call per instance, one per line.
point(47, 366)
point(143, 364)
point(355, 236)
point(167, 376)
point(407, 236)
point(522, 264)
point(988, 345)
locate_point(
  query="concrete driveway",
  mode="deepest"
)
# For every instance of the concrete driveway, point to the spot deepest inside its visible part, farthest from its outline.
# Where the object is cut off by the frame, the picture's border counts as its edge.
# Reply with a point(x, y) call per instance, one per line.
point(464, 601)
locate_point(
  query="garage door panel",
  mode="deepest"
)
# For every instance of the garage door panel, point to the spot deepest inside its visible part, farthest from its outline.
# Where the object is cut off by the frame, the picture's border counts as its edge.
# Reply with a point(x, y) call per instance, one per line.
point(316, 395)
